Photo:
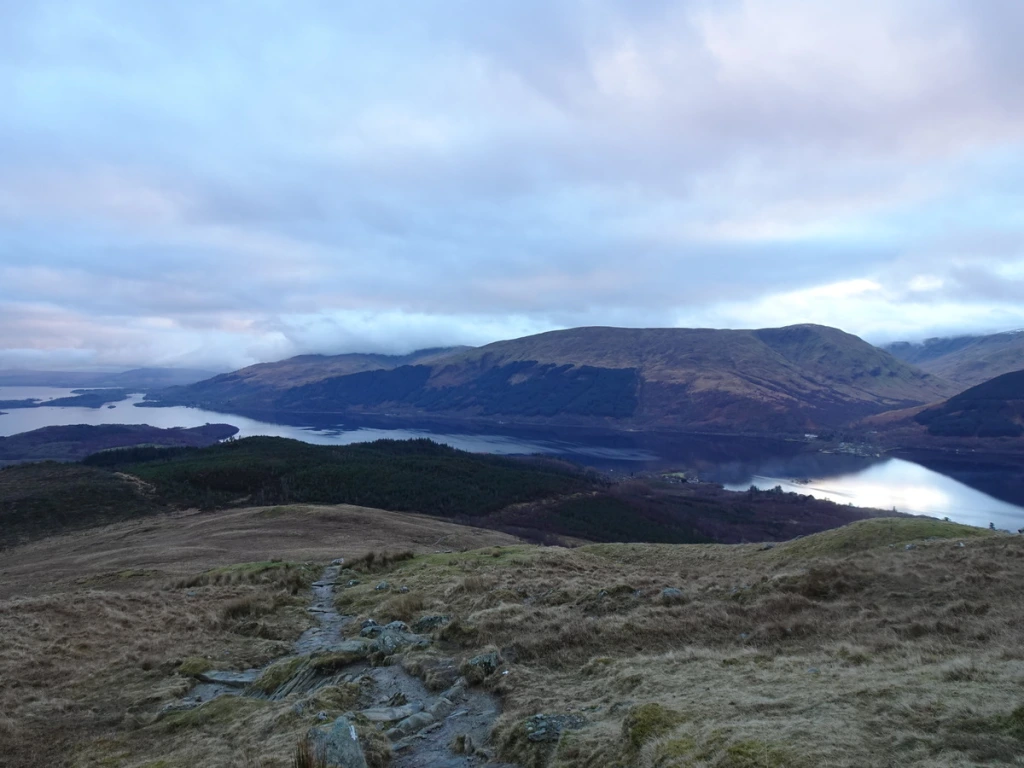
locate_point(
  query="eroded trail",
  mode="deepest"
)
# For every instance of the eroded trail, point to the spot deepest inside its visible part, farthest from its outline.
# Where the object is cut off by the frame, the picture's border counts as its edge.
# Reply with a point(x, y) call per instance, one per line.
point(448, 729)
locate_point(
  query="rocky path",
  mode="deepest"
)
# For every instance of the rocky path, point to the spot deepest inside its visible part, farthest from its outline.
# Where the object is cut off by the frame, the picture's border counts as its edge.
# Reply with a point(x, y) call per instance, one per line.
point(450, 729)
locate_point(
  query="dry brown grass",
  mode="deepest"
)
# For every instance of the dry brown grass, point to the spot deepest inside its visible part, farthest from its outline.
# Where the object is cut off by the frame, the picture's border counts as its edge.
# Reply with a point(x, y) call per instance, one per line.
point(95, 625)
point(819, 652)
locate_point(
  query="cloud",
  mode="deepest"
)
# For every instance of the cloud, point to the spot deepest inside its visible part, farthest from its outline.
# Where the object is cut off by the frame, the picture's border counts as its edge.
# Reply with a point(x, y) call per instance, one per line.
point(221, 183)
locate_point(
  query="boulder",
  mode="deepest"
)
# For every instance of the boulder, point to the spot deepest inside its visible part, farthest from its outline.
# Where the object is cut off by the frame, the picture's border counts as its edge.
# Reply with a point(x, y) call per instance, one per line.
point(429, 623)
point(671, 594)
point(542, 727)
point(337, 745)
point(383, 586)
point(411, 725)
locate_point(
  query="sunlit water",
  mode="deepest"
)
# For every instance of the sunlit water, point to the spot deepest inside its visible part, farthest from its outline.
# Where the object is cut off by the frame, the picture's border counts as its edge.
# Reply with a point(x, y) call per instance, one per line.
point(737, 463)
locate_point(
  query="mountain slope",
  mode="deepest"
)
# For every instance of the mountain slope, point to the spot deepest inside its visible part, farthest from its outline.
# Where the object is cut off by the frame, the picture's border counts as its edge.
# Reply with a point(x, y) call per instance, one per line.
point(965, 360)
point(788, 379)
point(257, 386)
point(992, 409)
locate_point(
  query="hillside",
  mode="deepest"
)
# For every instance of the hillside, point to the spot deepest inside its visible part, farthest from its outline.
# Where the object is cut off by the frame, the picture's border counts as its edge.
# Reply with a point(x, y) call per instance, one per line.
point(76, 441)
point(992, 409)
point(258, 386)
point(783, 379)
point(965, 360)
point(879, 644)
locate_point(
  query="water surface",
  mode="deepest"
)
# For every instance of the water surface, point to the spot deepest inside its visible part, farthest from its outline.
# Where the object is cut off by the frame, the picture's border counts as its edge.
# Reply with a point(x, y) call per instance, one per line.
point(736, 462)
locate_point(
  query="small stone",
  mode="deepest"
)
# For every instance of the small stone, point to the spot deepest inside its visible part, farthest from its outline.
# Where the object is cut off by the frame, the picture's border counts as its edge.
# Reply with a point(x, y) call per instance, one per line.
point(960, 545)
point(382, 586)
point(396, 626)
point(368, 623)
point(814, 671)
point(403, 589)
point(352, 583)
point(671, 594)
point(910, 547)
point(192, 592)
point(321, 716)
point(487, 662)
point(338, 561)
point(766, 546)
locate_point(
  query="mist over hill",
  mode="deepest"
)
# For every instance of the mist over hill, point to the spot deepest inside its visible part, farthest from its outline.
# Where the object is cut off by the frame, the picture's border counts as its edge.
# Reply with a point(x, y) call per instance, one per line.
point(965, 360)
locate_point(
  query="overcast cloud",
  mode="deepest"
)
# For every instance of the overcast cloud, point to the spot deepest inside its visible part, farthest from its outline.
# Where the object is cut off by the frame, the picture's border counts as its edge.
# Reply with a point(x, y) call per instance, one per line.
point(219, 183)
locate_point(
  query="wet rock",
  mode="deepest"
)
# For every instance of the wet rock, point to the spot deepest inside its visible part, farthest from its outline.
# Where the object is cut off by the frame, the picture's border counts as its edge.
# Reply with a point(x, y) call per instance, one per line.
point(339, 745)
point(371, 631)
point(429, 623)
point(671, 595)
point(542, 727)
point(383, 586)
point(391, 714)
point(411, 725)
point(230, 679)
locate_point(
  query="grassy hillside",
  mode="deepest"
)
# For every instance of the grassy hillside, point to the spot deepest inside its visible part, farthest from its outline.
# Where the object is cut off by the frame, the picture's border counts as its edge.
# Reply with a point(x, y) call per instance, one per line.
point(40, 499)
point(785, 379)
point(844, 649)
point(965, 360)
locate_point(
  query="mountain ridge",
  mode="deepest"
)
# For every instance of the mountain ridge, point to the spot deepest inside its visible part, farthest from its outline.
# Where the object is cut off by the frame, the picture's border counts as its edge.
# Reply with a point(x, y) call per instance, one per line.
point(789, 379)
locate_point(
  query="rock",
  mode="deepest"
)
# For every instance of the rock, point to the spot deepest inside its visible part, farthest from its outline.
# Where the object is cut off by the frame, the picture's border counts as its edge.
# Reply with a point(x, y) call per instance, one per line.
point(321, 716)
point(391, 714)
point(428, 623)
point(352, 583)
point(368, 623)
point(457, 691)
point(190, 593)
point(960, 545)
point(371, 631)
point(766, 546)
point(410, 725)
point(396, 626)
point(542, 727)
point(814, 671)
point(486, 662)
point(671, 595)
point(392, 640)
point(382, 586)
point(339, 746)
point(338, 561)
point(910, 547)
point(403, 589)
point(441, 708)
point(230, 679)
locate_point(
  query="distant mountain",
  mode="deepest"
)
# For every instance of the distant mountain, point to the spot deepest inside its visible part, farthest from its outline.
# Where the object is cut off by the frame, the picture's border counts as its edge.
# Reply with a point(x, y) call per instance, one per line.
point(788, 379)
point(136, 379)
point(965, 360)
point(76, 441)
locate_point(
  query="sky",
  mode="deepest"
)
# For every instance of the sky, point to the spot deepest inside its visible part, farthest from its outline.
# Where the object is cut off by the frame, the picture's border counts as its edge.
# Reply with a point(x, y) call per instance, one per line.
point(217, 183)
